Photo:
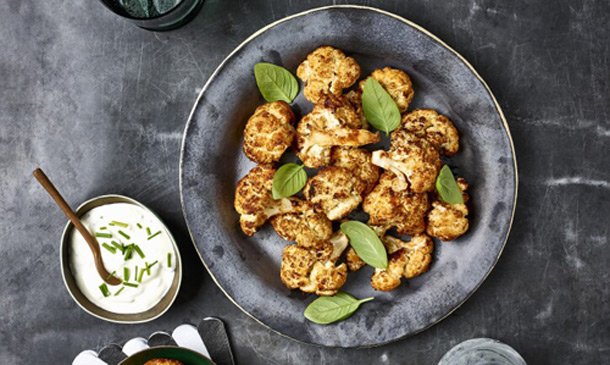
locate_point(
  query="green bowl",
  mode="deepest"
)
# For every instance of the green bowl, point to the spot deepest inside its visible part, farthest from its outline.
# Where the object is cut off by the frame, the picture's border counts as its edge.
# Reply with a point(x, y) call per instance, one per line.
point(187, 357)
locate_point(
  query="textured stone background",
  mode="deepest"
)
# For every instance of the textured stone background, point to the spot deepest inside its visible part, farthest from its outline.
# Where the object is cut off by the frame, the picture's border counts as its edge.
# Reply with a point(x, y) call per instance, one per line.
point(100, 105)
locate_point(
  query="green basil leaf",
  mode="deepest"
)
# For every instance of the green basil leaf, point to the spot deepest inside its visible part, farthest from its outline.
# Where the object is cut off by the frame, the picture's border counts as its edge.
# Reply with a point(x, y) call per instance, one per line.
point(288, 180)
point(379, 107)
point(325, 310)
point(366, 243)
point(275, 82)
point(447, 187)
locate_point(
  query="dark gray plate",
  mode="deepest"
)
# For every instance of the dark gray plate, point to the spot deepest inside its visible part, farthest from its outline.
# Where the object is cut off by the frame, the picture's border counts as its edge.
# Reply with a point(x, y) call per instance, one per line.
point(212, 161)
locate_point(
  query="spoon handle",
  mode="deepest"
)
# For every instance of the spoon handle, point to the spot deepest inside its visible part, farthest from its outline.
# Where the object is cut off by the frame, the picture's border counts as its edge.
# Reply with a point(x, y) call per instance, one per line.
point(93, 245)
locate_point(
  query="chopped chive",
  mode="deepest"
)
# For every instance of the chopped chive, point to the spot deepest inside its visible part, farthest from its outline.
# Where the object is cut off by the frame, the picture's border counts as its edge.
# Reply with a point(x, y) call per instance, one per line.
point(169, 259)
point(141, 276)
point(151, 265)
point(103, 228)
point(104, 290)
point(139, 251)
point(148, 231)
point(147, 268)
point(120, 290)
point(158, 233)
point(103, 235)
point(117, 245)
point(135, 274)
point(139, 225)
point(117, 223)
point(110, 275)
point(124, 234)
point(126, 274)
point(109, 248)
point(128, 252)
point(131, 285)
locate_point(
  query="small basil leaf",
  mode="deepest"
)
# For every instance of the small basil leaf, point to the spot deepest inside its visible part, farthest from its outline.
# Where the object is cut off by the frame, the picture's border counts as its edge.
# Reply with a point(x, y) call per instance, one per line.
point(325, 310)
point(447, 187)
point(366, 243)
point(288, 180)
point(379, 107)
point(275, 82)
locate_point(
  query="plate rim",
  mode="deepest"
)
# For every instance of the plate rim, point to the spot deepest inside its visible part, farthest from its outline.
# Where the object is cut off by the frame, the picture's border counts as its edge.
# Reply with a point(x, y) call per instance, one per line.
point(435, 39)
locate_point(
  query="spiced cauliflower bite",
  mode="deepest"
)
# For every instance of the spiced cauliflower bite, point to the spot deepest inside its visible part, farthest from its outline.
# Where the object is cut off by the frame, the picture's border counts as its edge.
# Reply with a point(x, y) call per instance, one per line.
point(331, 123)
point(413, 160)
point(334, 191)
point(313, 269)
point(435, 128)
point(358, 161)
point(163, 362)
point(388, 208)
point(254, 200)
point(354, 262)
point(269, 132)
point(397, 83)
point(308, 229)
point(449, 221)
point(355, 99)
point(327, 71)
point(407, 259)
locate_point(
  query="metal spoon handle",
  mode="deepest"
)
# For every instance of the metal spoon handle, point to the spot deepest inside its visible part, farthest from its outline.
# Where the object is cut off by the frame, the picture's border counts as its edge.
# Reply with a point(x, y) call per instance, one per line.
point(93, 245)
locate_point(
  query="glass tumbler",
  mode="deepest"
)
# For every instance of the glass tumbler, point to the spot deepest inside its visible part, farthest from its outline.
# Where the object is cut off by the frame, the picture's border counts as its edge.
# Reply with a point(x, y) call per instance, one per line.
point(482, 351)
point(156, 15)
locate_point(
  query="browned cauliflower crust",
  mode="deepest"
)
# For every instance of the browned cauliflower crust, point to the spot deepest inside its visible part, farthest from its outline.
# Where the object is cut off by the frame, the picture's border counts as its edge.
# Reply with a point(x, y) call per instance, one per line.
point(358, 161)
point(435, 128)
point(397, 83)
point(313, 269)
point(388, 208)
point(354, 262)
point(335, 191)
point(446, 221)
point(327, 71)
point(254, 201)
point(163, 362)
point(411, 159)
point(408, 259)
point(355, 98)
point(269, 132)
point(307, 229)
point(331, 123)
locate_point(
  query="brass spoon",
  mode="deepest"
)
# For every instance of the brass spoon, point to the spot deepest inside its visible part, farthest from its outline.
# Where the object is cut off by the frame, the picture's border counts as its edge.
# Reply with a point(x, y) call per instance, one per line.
point(93, 245)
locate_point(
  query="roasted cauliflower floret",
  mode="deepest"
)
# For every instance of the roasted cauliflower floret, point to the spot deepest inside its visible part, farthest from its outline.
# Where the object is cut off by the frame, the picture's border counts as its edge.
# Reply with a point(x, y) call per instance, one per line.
point(313, 269)
point(413, 160)
point(163, 362)
point(307, 229)
point(388, 208)
point(358, 161)
point(411, 259)
point(332, 123)
point(254, 201)
point(354, 262)
point(355, 98)
point(269, 132)
point(327, 71)
point(435, 128)
point(335, 191)
point(449, 221)
point(397, 83)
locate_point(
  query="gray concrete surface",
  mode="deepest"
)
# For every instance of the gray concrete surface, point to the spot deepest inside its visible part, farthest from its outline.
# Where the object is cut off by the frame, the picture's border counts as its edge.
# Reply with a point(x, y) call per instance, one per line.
point(101, 105)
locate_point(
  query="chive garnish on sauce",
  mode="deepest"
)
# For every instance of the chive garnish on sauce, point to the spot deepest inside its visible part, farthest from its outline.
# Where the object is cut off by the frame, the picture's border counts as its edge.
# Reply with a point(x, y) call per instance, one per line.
point(154, 235)
point(125, 274)
point(104, 290)
point(124, 234)
point(148, 231)
point(109, 248)
point(139, 251)
point(131, 285)
point(141, 276)
point(110, 275)
point(117, 223)
point(103, 228)
point(128, 252)
point(120, 290)
point(117, 245)
point(103, 235)
point(169, 259)
point(139, 225)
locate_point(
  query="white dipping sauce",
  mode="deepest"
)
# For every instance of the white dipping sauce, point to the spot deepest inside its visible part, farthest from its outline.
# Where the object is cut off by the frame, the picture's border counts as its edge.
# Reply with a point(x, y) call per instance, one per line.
point(153, 286)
